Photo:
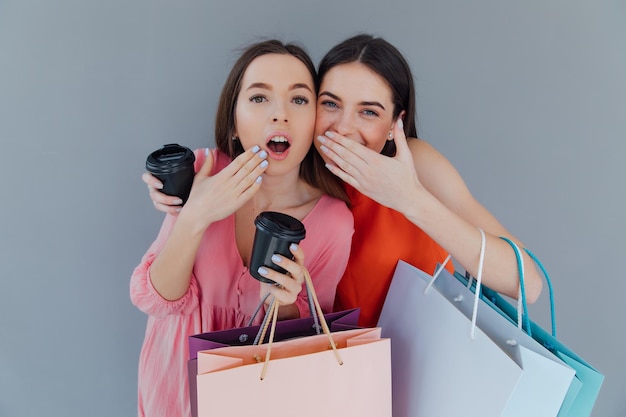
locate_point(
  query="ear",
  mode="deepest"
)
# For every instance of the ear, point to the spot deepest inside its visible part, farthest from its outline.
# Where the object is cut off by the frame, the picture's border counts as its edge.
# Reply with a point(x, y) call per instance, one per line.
point(401, 115)
point(393, 122)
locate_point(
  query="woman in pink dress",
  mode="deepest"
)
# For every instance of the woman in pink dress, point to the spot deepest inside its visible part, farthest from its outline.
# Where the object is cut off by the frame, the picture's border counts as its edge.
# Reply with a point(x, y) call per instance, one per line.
point(194, 278)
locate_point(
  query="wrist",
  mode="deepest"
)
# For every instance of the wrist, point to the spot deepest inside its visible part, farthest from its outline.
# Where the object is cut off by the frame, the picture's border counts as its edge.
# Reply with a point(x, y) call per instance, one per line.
point(417, 207)
point(190, 225)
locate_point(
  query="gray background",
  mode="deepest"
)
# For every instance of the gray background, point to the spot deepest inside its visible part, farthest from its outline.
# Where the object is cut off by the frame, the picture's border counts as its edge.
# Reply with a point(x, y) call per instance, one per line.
point(526, 98)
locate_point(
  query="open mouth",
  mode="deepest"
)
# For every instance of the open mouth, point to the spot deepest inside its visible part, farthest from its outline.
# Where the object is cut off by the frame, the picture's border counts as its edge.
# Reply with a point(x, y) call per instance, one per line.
point(278, 144)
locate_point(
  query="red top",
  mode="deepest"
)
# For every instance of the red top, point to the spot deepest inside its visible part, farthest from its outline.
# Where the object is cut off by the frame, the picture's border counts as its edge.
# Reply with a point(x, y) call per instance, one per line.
point(382, 236)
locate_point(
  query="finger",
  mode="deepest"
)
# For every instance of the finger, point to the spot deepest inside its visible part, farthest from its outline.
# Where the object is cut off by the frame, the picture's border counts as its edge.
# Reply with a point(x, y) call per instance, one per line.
point(338, 167)
point(247, 167)
point(160, 198)
point(151, 181)
point(290, 280)
point(347, 149)
point(348, 179)
point(283, 284)
point(294, 277)
point(287, 287)
point(167, 209)
point(298, 253)
point(237, 163)
point(340, 158)
point(283, 296)
point(253, 185)
point(402, 147)
point(207, 166)
point(247, 180)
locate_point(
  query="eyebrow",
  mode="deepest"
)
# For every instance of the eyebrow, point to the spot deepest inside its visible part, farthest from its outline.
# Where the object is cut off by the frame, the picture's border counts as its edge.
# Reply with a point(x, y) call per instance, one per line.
point(362, 103)
point(268, 87)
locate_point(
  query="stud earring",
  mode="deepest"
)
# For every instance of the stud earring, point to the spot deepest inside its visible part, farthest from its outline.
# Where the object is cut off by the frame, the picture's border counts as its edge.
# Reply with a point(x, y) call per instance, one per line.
point(389, 136)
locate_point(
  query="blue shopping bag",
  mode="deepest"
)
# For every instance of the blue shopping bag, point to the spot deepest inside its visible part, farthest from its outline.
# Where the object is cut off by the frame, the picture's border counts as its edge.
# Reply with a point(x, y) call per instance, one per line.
point(587, 382)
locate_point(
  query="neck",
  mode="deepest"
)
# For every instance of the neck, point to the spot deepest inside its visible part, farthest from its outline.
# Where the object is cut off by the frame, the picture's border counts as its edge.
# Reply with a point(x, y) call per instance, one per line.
point(284, 193)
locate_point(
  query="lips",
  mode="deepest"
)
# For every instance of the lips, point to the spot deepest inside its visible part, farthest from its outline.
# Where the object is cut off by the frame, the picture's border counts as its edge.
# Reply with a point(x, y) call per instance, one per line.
point(278, 144)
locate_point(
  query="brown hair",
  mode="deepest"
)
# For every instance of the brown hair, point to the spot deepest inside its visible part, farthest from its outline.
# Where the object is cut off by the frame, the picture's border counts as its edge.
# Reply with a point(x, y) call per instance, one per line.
point(312, 169)
point(385, 60)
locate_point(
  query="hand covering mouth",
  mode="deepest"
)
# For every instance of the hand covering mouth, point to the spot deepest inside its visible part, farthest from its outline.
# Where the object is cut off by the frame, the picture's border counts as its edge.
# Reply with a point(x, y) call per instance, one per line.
point(278, 144)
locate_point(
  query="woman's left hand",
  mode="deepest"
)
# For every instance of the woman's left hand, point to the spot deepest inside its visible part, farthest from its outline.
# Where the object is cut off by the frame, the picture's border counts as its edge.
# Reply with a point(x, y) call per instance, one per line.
point(287, 286)
point(391, 181)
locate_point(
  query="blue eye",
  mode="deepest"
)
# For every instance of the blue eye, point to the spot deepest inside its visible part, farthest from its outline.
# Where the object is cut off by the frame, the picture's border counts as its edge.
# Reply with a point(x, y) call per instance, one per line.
point(300, 100)
point(370, 113)
point(257, 99)
point(330, 104)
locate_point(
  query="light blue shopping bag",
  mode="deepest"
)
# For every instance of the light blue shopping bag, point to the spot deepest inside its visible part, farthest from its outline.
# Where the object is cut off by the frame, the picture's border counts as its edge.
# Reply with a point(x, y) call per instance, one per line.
point(585, 387)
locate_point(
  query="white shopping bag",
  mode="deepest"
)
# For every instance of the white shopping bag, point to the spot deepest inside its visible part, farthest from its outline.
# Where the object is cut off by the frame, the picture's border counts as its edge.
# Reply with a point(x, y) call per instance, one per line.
point(439, 369)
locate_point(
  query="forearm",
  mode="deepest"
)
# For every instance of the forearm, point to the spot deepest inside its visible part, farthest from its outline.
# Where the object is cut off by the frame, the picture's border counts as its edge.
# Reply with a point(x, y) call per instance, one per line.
point(461, 238)
point(171, 271)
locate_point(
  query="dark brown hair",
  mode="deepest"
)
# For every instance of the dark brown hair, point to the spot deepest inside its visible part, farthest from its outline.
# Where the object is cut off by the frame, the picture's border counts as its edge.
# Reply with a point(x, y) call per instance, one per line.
point(312, 169)
point(385, 60)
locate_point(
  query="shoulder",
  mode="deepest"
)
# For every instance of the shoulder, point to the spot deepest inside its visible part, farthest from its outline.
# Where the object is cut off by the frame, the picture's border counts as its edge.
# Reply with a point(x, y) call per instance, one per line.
point(437, 174)
point(424, 153)
point(429, 161)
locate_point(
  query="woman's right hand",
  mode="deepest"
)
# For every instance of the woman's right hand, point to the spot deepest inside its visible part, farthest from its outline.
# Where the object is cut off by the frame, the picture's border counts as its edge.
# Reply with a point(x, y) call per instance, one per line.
point(215, 197)
point(162, 202)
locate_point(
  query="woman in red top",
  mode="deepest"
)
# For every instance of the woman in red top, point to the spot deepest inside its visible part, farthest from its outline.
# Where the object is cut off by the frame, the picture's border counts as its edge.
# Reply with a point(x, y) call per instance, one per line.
point(407, 199)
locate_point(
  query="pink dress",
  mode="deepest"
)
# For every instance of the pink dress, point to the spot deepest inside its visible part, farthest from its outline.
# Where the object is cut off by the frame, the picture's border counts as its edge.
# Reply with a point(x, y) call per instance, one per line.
point(222, 295)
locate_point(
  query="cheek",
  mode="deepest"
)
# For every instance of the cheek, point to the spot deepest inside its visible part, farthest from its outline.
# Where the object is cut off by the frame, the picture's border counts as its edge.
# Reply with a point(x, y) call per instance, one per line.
point(247, 128)
point(375, 137)
point(303, 128)
point(323, 122)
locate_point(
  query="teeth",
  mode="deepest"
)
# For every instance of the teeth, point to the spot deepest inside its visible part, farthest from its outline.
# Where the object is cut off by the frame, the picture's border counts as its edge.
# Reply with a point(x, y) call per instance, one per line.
point(278, 139)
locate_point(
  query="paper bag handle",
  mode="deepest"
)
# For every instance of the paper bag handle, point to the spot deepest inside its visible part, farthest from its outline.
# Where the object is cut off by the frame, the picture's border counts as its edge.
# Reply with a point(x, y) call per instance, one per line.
point(520, 270)
point(479, 276)
point(273, 311)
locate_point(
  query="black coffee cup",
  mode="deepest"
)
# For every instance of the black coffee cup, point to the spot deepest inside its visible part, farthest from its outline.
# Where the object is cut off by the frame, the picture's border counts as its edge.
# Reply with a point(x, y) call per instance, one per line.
point(275, 232)
point(173, 166)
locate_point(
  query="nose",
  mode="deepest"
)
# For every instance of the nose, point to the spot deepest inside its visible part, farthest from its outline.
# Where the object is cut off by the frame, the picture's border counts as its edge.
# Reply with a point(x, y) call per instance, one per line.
point(343, 124)
point(280, 113)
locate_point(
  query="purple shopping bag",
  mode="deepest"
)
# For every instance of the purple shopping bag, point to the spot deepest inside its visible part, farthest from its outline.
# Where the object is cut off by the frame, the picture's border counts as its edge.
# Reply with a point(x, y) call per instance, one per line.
point(287, 329)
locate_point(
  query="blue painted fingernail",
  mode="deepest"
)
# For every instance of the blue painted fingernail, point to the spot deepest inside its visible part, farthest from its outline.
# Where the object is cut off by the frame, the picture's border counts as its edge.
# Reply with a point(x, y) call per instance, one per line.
point(293, 247)
point(264, 164)
point(255, 148)
point(262, 271)
point(400, 124)
point(258, 179)
point(322, 139)
point(324, 148)
point(276, 259)
point(330, 134)
point(262, 154)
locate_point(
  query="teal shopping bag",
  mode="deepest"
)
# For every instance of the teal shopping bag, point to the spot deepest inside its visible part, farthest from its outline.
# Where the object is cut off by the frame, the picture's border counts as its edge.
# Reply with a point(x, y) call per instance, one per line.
point(586, 385)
